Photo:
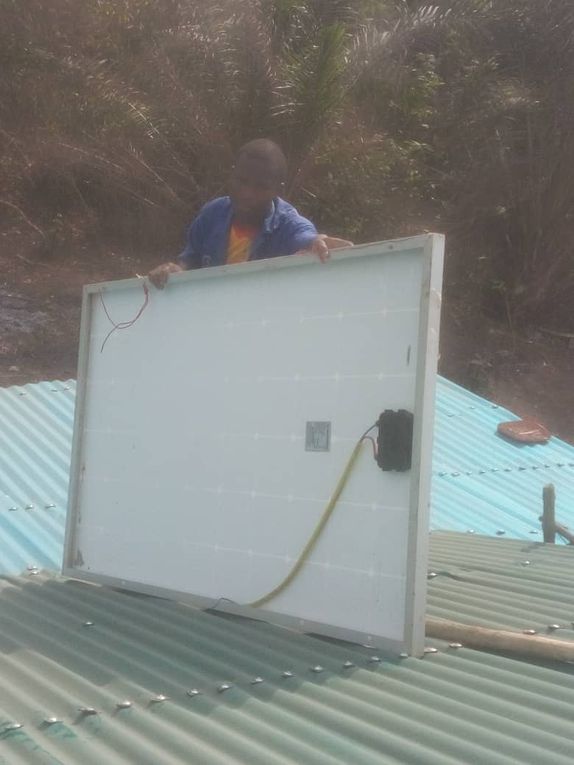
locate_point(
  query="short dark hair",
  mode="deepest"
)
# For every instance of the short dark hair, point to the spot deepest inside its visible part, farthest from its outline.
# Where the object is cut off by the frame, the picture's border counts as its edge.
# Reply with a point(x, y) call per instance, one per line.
point(268, 153)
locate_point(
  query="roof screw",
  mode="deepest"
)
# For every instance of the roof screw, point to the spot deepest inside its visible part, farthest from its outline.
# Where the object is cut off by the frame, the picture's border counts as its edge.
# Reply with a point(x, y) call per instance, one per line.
point(12, 726)
point(124, 704)
point(403, 655)
point(431, 574)
point(317, 669)
point(33, 571)
point(533, 531)
point(193, 692)
point(526, 563)
point(430, 649)
point(374, 659)
point(49, 506)
point(500, 533)
point(51, 720)
point(287, 674)
point(88, 624)
point(455, 645)
point(87, 711)
point(553, 627)
point(471, 531)
point(29, 507)
point(224, 687)
point(159, 699)
point(529, 632)
point(12, 509)
point(257, 681)
point(455, 475)
point(348, 665)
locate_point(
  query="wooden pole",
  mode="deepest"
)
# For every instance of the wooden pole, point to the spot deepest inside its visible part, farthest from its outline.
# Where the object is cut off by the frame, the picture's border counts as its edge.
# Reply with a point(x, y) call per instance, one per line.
point(548, 517)
point(483, 638)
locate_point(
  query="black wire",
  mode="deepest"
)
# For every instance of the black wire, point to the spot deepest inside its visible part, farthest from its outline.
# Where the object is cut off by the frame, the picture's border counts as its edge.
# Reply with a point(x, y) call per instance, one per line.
point(123, 324)
point(366, 433)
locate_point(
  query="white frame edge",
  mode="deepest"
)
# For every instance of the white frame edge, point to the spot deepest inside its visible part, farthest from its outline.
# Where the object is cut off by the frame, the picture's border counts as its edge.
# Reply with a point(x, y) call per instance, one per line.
point(419, 516)
point(77, 450)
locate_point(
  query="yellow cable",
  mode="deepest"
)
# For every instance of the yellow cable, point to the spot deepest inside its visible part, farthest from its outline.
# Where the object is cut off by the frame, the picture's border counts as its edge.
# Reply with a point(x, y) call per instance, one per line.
point(327, 512)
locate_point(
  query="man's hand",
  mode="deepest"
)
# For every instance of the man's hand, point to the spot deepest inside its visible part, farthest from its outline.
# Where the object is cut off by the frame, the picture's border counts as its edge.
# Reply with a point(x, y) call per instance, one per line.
point(323, 244)
point(159, 276)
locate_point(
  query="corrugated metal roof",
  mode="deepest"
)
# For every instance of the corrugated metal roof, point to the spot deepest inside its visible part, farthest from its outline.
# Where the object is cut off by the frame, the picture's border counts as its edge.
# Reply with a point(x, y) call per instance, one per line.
point(455, 706)
point(36, 423)
point(66, 645)
point(502, 583)
point(480, 481)
point(488, 484)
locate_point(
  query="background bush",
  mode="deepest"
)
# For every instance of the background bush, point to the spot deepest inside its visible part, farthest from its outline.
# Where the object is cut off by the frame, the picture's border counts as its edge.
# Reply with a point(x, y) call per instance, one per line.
point(118, 118)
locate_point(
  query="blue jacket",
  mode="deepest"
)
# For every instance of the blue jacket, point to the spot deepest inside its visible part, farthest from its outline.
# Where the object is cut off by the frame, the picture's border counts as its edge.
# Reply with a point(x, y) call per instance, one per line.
point(284, 232)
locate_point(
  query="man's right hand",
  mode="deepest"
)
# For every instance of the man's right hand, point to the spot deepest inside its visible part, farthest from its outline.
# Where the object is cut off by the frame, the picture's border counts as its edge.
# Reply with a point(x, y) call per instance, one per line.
point(159, 276)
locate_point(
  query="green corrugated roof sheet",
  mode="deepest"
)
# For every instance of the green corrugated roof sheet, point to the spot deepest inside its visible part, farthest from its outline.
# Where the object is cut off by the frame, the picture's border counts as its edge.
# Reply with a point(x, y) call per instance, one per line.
point(454, 706)
point(502, 583)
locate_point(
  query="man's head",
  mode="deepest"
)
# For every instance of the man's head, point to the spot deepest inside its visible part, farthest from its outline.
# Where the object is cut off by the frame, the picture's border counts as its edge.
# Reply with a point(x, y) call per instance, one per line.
point(258, 176)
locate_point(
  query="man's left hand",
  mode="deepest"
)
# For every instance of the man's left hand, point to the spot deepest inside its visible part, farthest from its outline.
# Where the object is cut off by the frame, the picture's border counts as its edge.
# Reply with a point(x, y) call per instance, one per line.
point(323, 245)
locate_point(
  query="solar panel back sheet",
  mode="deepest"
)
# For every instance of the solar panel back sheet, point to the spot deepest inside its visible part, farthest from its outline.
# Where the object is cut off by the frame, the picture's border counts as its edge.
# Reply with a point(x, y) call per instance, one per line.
point(211, 433)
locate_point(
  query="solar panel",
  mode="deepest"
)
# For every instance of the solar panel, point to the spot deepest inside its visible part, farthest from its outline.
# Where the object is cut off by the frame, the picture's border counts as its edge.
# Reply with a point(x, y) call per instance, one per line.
point(211, 433)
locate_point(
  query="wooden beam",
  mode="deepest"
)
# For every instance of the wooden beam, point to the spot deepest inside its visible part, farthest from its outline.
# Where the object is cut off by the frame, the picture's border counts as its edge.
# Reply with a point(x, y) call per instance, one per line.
point(484, 638)
point(565, 533)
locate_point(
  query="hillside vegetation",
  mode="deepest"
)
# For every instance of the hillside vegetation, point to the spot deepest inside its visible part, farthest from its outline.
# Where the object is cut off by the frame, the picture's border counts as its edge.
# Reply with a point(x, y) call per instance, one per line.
point(118, 118)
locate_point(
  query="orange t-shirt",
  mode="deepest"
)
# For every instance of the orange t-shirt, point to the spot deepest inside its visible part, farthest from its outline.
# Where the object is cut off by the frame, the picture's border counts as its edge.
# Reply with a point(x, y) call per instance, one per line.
point(240, 240)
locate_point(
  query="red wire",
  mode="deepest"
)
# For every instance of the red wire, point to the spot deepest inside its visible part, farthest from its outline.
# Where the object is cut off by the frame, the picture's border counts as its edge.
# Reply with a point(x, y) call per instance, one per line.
point(123, 324)
point(372, 440)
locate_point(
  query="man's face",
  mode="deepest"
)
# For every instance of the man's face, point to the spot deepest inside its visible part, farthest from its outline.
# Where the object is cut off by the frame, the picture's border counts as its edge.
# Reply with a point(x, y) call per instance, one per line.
point(252, 188)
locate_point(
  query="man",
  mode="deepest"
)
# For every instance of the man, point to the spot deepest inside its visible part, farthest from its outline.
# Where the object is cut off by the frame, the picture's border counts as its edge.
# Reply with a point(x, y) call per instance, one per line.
point(252, 223)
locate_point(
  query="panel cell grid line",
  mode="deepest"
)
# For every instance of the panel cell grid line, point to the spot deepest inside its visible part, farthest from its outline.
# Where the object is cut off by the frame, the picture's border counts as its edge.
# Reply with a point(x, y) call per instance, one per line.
point(211, 433)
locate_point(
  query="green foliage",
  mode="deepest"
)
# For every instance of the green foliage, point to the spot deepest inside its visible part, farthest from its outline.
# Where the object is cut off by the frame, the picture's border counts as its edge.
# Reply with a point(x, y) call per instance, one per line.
point(118, 118)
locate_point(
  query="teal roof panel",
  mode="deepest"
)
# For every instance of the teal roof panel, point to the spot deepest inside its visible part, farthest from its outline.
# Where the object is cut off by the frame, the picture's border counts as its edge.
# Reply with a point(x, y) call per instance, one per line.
point(486, 484)
point(36, 424)
point(481, 483)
